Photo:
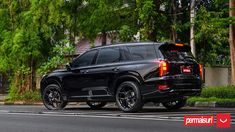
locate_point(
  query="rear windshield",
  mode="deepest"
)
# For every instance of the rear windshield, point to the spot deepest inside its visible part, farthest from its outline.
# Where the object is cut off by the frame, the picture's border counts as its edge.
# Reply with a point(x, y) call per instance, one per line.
point(141, 52)
point(173, 52)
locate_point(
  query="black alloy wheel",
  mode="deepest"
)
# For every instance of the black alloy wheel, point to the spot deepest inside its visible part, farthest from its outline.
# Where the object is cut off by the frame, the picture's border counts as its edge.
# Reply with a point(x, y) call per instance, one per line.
point(96, 105)
point(52, 98)
point(128, 97)
point(174, 105)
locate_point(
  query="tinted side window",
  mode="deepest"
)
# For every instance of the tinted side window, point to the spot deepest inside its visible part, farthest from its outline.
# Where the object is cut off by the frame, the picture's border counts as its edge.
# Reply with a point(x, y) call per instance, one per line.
point(140, 52)
point(125, 54)
point(109, 55)
point(85, 60)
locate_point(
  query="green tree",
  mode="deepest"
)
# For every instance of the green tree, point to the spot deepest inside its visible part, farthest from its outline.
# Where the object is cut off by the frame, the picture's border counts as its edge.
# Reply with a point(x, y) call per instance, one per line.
point(100, 16)
point(29, 31)
point(212, 34)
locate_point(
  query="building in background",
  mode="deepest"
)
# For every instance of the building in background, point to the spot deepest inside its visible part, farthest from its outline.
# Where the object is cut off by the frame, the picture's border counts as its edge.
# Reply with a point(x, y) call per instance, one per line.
point(85, 44)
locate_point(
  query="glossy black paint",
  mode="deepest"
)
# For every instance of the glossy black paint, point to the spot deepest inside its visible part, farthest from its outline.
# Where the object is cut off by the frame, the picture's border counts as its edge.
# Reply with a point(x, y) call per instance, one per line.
point(98, 82)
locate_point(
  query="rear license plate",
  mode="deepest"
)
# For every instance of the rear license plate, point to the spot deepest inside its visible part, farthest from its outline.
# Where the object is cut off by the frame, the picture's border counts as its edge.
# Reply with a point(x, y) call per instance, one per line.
point(186, 70)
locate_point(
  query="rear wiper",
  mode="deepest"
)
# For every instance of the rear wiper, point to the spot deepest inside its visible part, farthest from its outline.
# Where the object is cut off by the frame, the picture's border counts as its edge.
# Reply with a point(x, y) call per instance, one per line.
point(188, 57)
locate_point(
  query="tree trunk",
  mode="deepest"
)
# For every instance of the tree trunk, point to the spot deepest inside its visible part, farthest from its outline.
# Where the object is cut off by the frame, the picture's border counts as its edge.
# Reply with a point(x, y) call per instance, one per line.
point(174, 17)
point(104, 38)
point(33, 74)
point(231, 41)
point(192, 16)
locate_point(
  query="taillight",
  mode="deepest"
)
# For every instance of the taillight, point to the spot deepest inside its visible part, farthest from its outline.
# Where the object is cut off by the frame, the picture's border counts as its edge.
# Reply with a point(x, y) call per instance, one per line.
point(181, 45)
point(163, 68)
point(162, 87)
point(201, 70)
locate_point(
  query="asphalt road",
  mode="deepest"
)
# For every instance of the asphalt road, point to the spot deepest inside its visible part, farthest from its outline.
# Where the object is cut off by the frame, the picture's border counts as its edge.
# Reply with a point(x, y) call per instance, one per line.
point(109, 119)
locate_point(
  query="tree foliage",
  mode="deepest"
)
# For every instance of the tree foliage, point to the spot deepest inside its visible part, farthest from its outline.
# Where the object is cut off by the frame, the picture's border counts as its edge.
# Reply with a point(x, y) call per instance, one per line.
point(211, 37)
point(36, 34)
point(29, 31)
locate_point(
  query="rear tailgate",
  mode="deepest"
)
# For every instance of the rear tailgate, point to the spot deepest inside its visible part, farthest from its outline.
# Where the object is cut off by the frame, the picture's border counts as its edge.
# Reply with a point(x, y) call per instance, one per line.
point(180, 59)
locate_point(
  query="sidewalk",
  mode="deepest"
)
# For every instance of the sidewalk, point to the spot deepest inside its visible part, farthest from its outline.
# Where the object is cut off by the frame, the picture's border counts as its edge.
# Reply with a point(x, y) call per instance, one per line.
point(2, 97)
point(3, 102)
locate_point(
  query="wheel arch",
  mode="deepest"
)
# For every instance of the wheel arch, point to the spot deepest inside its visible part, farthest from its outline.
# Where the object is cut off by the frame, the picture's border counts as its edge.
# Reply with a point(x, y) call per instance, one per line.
point(48, 81)
point(125, 78)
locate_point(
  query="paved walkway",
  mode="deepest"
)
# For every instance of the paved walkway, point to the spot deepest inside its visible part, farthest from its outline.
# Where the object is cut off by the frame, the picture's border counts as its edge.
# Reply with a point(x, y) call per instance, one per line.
point(3, 97)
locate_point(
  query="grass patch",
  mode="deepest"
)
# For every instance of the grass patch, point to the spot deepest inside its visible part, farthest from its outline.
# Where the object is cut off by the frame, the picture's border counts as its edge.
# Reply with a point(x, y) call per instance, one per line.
point(192, 100)
point(222, 94)
point(28, 96)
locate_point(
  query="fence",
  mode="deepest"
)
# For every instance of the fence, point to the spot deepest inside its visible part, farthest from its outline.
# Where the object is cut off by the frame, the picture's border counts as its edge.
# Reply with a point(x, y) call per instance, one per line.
point(217, 76)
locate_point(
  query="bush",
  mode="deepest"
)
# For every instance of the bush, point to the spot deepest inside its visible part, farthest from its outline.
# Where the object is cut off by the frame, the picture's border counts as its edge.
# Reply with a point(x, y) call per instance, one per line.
point(222, 92)
point(192, 100)
point(28, 96)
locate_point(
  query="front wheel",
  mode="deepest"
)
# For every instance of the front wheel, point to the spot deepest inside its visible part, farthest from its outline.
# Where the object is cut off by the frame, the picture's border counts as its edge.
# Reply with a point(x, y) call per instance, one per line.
point(52, 98)
point(96, 105)
point(128, 97)
point(174, 105)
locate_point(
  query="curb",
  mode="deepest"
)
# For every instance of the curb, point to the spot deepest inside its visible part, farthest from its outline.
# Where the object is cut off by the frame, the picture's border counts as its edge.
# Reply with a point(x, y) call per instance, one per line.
point(214, 104)
point(196, 104)
point(21, 103)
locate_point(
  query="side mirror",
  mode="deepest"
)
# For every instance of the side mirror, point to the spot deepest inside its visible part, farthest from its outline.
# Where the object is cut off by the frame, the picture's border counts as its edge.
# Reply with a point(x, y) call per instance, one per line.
point(68, 66)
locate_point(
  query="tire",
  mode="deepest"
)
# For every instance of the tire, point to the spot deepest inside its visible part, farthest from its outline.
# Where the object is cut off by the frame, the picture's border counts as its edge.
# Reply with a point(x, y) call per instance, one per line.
point(52, 98)
point(128, 97)
point(174, 105)
point(96, 105)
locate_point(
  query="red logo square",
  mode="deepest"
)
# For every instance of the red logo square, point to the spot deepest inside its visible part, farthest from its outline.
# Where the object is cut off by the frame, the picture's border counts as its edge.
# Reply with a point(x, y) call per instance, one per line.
point(223, 120)
point(197, 120)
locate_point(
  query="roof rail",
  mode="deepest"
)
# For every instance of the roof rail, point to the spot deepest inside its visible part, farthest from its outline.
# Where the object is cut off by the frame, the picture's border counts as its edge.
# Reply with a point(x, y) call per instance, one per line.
point(122, 43)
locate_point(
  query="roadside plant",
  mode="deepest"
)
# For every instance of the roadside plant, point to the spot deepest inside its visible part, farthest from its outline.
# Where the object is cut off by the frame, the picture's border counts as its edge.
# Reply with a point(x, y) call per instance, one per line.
point(58, 57)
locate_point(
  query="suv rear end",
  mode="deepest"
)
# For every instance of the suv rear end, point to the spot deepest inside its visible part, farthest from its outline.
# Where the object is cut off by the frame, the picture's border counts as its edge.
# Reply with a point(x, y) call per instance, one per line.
point(178, 76)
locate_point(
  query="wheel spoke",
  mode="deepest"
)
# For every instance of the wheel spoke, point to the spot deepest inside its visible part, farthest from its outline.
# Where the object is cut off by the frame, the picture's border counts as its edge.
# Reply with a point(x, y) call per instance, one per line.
point(129, 104)
point(52, 98)
point(133, 101)
point(127, 97)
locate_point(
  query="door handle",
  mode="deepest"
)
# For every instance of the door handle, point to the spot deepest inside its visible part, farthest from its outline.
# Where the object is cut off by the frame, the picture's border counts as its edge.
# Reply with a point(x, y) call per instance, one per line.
point(116, 69)
point(85, 72)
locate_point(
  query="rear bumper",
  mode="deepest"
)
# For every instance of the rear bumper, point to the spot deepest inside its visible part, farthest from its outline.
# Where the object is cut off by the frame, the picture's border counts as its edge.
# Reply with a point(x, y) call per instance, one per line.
point(178, 87)
point(170, 95)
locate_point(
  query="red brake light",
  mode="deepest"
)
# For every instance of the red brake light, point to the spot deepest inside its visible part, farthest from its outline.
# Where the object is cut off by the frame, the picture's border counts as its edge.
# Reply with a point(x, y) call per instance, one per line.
point(162, 87)
point(163, 68)
point(201, 70)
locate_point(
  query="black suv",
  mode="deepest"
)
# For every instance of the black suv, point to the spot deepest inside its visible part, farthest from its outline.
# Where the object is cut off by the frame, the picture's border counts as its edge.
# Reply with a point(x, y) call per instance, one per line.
point(130, 74)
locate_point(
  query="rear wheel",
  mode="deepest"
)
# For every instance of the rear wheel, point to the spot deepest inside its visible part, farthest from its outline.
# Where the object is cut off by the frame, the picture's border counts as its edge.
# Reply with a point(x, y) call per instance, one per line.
point(52, 98)
point(174, 105)
point(128, 97)
point(96, 105)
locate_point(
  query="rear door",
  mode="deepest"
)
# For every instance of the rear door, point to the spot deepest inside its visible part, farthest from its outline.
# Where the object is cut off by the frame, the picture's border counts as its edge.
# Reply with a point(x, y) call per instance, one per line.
point(180, 59)
point(107, 66)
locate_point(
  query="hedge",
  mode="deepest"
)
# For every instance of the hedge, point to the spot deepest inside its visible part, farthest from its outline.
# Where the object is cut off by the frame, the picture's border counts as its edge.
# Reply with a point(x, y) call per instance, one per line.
point(223, 92)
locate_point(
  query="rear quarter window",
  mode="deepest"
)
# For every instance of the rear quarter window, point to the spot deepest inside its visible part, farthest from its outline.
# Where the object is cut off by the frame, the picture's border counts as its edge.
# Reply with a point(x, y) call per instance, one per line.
point(141, 52)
